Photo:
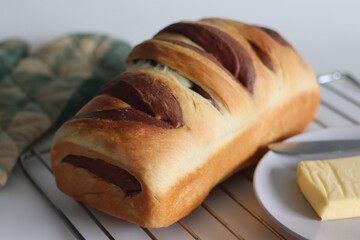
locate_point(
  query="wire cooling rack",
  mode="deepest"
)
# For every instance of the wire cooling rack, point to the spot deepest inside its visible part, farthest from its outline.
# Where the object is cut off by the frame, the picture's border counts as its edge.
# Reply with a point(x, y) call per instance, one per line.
point(231, 211)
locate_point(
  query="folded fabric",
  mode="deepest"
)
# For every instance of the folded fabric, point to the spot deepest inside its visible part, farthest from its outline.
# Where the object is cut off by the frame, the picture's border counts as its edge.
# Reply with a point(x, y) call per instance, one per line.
point(42, 90)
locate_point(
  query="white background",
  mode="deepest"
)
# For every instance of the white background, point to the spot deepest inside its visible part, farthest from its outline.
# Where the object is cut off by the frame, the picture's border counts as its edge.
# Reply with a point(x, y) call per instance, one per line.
point(326, 33)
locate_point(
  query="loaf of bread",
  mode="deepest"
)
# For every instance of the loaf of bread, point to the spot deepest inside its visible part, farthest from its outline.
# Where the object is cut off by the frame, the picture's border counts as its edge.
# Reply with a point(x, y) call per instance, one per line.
point(199, 101)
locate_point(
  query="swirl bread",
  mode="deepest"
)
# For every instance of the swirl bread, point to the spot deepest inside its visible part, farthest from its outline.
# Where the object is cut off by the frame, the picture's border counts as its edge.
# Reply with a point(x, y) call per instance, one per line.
point(199, 101)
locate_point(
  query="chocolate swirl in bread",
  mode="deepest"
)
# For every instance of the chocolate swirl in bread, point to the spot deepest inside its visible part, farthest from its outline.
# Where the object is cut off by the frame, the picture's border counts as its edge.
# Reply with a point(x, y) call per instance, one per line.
point(199, 101)
point(108, 172)
point(275, 35)
point(230, 53)
point(148, 95)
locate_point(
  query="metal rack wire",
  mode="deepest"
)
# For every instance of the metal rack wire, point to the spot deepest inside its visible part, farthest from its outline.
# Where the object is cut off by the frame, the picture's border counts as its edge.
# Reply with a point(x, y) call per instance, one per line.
point(231, 211)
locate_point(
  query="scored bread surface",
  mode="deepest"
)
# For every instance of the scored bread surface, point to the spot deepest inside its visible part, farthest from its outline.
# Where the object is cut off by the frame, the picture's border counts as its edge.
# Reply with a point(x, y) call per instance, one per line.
point(178, 165)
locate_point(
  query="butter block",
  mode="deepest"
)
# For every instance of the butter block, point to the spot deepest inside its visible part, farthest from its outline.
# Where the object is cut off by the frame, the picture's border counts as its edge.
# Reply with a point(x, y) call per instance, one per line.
point(332, 187)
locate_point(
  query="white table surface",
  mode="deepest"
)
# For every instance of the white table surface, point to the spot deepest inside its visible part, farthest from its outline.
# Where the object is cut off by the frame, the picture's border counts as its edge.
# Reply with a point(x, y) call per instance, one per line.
point(326, 33)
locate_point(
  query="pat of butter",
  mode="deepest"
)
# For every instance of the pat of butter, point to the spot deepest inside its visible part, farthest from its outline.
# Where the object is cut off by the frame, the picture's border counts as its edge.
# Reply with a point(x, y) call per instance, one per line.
point(332, 187)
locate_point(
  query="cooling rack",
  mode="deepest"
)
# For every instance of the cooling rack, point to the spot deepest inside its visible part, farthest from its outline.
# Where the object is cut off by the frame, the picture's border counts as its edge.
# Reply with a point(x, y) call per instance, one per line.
point(231, 211)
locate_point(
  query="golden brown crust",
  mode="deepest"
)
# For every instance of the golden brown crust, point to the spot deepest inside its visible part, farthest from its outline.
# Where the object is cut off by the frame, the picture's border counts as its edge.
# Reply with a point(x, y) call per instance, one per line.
point(178, 167)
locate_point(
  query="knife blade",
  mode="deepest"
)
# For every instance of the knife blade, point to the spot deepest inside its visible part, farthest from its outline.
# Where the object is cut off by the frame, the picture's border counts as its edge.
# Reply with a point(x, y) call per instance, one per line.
point(313, 147)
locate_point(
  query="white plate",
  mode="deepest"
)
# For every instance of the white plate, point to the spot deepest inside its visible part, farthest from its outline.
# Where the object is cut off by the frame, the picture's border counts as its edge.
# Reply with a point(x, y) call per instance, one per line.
point(276, 188)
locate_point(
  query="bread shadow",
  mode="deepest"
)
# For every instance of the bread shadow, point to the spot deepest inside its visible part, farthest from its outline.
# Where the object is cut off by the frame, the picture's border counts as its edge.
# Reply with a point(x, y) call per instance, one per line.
point(289, 194)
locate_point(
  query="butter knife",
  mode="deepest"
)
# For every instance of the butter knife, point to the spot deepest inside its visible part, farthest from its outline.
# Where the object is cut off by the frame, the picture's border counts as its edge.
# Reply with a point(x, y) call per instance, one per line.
point(313, 147)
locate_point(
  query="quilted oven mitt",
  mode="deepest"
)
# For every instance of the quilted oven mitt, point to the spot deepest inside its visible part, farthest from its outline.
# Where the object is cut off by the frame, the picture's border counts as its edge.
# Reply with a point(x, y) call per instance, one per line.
point(40, 91)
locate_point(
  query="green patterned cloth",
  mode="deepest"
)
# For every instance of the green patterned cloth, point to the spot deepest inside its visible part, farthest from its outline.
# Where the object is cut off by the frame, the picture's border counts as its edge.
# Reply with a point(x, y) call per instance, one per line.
point(41, 90)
